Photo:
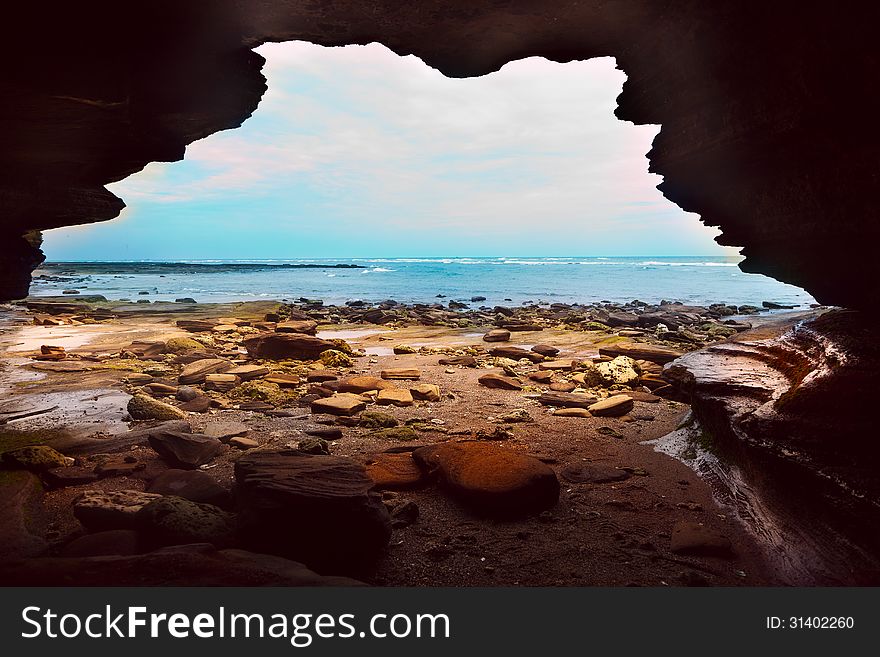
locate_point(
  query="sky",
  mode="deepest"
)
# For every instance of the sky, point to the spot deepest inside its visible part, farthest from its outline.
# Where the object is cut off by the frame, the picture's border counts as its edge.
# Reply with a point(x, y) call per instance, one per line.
point(357, 152)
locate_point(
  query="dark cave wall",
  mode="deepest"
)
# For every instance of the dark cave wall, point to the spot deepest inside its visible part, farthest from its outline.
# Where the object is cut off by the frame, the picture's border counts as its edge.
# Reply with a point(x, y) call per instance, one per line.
point(766, 108)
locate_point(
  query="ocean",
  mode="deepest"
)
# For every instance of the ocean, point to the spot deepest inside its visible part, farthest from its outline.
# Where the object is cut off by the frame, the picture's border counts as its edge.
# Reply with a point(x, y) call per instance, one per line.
point(696, 280)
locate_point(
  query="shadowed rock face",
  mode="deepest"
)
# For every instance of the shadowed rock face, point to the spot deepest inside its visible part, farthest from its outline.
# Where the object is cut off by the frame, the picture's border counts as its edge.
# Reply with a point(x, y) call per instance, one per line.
point(766, 107)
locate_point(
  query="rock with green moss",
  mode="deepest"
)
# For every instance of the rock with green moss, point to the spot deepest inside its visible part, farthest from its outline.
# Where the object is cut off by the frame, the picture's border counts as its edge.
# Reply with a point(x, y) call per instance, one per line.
point(144, 407)
point(401, 349)
point(264, 391)
point(178, 345)
point(314, 446)
point(404, 434)
point(377, 420)
point(342, 345)
point(336, 358)
point(36, 458)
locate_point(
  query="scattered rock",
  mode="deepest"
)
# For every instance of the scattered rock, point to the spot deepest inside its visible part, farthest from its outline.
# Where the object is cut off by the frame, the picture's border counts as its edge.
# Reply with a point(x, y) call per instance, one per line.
point(185, 450)
point(320, 509)
point(492, 380)
point(377, 420)
point(144, 407)
point(404, 514)
point(639, 351)
point(464, 361)
point(400, 373)
point(180, 345)
point(177, 521)
point(394, 471)
point(314, 446)
point(497, 335)
point(248, 372)
point(426, 392)
point(99, 510)
point(572, 412)
point(336, 358)
point(556, 365)
point(612, 406)
point(221, 382)
point(517, 415)
point(36, 458)
point(621, 370)
point(516, 353)
point(402, 349)
point(325, 433)
point(186, 394)
point(283, 380)
point(281, 346)
point(545, 350)
point(196, 371)
point(394, 396)
point(397, 434)
point(563, 386)
point(491, 479)
point(541, 377)
point(361, 384)
point(566, 399)
point(200, 404)
point(196, 325)
point(339, 404)
point(223, 430)
point(304, 326)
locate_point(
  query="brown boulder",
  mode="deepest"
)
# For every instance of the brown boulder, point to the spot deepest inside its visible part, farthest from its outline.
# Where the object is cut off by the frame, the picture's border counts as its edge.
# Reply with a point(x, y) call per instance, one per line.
point(516, 353)
point(283, 346)
point(497, 335)
point(339, 404)
point(612, 406)
point(360, 384)
point(305, 326)
point(492, 380)
point(491, 479)
point(185, 450)
point(320, 509)
point(390, 471)
point(196, 371)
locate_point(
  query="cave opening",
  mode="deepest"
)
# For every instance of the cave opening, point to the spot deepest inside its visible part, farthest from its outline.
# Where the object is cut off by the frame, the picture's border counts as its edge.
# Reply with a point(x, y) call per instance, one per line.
point(357, 155)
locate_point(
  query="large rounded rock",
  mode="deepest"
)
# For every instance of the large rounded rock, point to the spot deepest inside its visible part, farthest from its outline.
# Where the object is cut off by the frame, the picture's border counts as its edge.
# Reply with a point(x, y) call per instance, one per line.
point(394, 471)
point(318, 509)
point(176, 521)
point(492, 480)
point(283, 346)
point(143, 407)
point(621, 370)
point(36, 458)
point(185, 450)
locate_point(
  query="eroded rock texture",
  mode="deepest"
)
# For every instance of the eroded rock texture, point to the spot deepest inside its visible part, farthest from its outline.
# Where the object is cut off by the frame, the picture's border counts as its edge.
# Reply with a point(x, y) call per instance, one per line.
point(766, 108)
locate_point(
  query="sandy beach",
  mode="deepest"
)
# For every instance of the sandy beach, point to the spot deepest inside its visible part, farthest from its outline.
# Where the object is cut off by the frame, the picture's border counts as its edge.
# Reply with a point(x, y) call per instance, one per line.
point(625, 514)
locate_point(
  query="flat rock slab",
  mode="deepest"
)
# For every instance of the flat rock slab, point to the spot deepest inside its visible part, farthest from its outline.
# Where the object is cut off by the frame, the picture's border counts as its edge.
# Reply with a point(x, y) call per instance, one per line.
point(196, 325)
point(187, 565)
point(567, 399)
point(556, 365)
point(638, 351)
point(399, 373)
point(99, 510)
point(499, 381)
point(463, 361)
point(491, 479)
point(612, 407)
point(305, 326)
point(572, 412)
point(545, 350)
point(395, 397)
point(223, 430)
point(426, 392)
point(695, 539)
point(588, 473)
point(390, 471)
point(248, 372)
point(497, 335)
point(282, 346)
point(185, 450)
point(344, 403)
point(320, 509)
point(196, 371)
point(516, 353)
point(283, 380)
point(360, 384)
point(192, 485)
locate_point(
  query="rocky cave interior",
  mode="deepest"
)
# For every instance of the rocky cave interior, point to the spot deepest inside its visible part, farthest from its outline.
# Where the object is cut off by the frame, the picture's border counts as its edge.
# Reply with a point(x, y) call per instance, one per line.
point(766, 113)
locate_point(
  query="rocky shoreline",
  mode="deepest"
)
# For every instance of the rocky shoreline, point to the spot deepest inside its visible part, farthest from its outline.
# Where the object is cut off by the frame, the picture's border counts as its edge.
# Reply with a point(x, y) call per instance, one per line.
point(404, 445)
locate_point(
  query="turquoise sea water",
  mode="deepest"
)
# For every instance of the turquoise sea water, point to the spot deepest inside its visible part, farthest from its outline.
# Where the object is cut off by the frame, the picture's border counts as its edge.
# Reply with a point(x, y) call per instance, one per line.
point(689, 279)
